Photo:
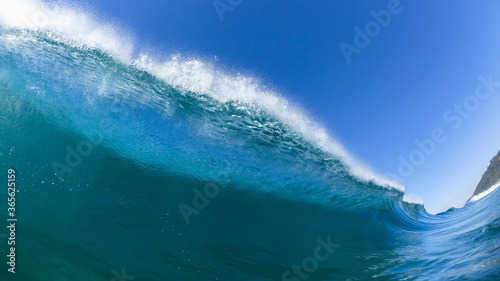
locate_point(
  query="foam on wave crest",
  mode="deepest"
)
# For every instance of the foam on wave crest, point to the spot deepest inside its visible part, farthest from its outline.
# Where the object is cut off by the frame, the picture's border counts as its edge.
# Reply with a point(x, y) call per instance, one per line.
point(68, 20)
point(70, 24)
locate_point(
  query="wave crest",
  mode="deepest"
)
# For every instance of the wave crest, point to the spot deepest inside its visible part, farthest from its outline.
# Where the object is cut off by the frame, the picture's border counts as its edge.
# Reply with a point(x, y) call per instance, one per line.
point(78, 28)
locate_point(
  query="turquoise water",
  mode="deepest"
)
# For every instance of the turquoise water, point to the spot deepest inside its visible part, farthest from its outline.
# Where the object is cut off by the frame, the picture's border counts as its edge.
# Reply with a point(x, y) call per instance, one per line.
point(143, 172)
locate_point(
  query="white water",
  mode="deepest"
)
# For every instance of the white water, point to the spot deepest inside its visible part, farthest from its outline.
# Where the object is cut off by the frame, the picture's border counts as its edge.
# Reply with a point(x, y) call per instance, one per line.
point(485, 193)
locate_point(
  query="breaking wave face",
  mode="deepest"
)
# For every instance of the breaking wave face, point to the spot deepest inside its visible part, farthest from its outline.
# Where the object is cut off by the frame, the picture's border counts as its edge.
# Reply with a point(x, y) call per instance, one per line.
point(176, 170)
point(80, 30)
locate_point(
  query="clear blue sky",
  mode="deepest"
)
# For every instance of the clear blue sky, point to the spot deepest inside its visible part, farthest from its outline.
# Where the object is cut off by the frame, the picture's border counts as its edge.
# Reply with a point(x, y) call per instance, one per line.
point(394, 91)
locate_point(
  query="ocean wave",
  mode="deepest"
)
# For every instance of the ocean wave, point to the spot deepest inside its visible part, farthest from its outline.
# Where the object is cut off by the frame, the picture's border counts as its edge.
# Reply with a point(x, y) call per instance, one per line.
point(181, 170)
point(70, 25)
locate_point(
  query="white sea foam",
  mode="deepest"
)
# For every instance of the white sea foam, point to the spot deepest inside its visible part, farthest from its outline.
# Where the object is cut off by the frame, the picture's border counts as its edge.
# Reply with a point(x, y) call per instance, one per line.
point(188, 74)
point(70, 21)
point(485, 193)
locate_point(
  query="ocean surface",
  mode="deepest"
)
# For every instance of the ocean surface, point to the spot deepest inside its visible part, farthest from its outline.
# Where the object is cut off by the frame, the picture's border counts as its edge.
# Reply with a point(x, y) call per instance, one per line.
point(135, 168)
